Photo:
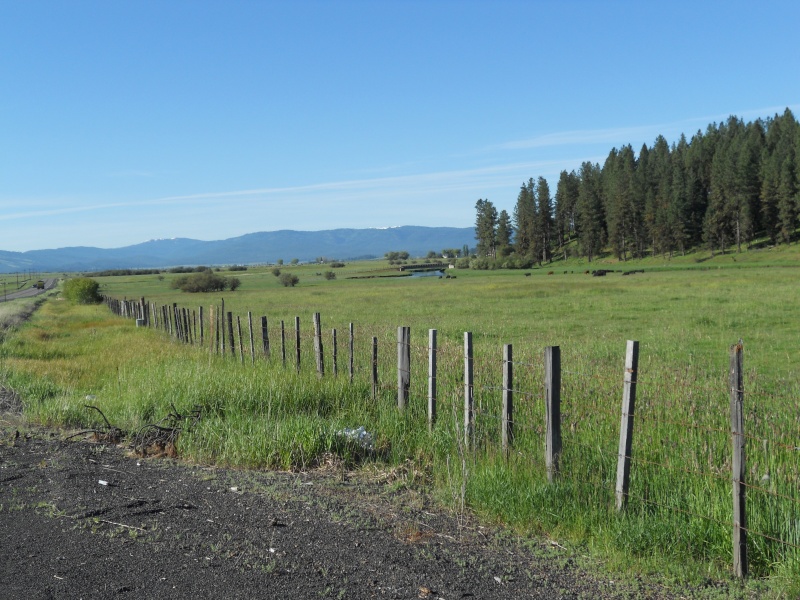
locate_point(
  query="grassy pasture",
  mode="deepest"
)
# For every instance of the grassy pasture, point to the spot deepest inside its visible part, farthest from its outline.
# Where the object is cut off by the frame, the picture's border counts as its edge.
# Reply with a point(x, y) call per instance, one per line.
point(685, 314)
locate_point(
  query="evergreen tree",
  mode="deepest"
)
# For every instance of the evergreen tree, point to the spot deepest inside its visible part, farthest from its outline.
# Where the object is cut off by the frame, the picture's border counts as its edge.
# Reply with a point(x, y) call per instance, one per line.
point(486, 228)
point(698, 180)
point(505, 232)
point(747, 183)
point(678, 213)
point(661, 186)
point(566, 208)
point(623, 212)
point(525, 218)
point(642, 192)
point(787, 200)
point(544, 214)
point(590, 211)
point(718, 228)
point(779, 176)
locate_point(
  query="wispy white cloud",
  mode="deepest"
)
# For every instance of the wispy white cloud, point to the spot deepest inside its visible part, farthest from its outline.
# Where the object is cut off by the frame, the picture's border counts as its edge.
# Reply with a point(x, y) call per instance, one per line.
point(132, 174)
point(579, 137)
point(478, 182)
point(623, 135)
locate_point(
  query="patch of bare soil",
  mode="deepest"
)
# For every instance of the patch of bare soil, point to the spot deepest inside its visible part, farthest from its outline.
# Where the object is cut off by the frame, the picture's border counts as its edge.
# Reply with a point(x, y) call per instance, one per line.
point(88, 520)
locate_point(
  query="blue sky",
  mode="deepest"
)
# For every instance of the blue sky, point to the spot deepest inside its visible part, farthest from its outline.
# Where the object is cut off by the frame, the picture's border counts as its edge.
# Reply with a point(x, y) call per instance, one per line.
point(122, 122)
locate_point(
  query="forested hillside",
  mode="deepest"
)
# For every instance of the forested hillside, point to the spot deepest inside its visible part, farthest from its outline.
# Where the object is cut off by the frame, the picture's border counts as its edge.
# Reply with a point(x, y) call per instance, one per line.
point(724, 188)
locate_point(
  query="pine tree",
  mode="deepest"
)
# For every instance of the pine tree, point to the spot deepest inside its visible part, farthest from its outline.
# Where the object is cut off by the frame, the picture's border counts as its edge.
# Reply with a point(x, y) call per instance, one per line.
point(779, 180)
point(486, 228)
point(678, 213)
point(590, 211)
point(544, 214)
point(505, 232)
point(623, 212)
point(566, 209)
point(787, 200)
point(525, 217)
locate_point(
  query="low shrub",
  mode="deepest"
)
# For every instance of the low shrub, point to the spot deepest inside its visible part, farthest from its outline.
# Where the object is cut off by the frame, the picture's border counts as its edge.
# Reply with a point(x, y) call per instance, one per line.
point(289, 280)
point(82, 290)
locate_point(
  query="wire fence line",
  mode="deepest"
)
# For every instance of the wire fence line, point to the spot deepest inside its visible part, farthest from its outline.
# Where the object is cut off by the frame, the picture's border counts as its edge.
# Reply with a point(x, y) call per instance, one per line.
point(682, 428)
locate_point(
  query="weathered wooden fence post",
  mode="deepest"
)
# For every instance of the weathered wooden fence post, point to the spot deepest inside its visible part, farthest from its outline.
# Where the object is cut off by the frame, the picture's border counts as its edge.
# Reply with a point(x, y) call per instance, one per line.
point(265, 336)
point(626, 424)
point(352, 353)
point(297, 342)
point(252, 341)
point(202, 328)
point(218, 349)
point(241, 339)
point(469, 398)
point(212, 332)
point(507, 420)
point(738, 464)
point(552, 398)
point(318, 352)
point(431, 379)
point(283, 343)
point(230, 334)
point(374, 368)
point(222, 328)
point(180, 331)
point(335, 354)
point(403, 366)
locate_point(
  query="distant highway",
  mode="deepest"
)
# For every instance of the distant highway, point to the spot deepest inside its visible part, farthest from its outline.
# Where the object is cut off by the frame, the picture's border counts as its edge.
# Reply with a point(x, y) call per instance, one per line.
point(49, 284)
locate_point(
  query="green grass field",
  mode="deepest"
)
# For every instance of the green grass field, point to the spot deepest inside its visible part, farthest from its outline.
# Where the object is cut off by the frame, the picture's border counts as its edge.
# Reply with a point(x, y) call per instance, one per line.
point(685, 313)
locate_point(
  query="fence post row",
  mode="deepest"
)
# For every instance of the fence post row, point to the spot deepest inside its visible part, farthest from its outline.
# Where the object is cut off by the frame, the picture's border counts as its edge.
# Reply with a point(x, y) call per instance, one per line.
point(431, 379)
point(182, 324)
point(626, 424)
point(469, 409)
point(738, 463)
point(507, 419)
point(552, 393)
point(403, 366)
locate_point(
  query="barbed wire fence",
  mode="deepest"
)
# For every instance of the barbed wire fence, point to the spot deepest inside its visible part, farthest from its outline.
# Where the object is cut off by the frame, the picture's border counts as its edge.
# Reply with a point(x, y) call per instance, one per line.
point(669, 448)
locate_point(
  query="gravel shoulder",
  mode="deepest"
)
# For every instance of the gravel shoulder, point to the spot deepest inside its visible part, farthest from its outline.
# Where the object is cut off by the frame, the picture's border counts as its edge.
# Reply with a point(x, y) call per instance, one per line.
point(90, 520)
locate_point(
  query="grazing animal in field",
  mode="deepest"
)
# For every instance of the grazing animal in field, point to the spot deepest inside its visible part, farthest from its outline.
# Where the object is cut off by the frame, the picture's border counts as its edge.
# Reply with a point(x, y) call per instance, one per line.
point(527, 274)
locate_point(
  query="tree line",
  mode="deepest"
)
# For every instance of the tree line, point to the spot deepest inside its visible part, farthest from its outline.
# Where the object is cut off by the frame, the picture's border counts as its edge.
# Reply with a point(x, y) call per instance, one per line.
point(723, 188)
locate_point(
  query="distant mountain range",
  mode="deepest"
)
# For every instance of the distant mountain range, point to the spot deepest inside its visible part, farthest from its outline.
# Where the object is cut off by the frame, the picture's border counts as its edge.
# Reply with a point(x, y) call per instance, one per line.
point(253, 248)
